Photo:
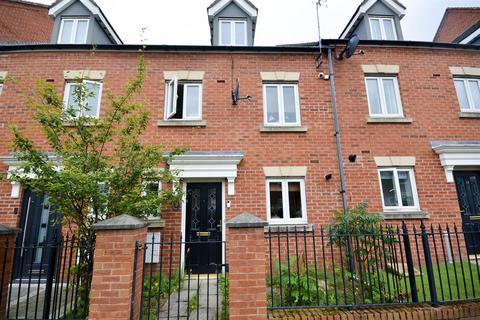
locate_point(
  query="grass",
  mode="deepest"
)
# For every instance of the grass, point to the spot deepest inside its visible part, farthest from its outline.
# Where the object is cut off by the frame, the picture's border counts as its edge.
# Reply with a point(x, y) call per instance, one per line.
point(192, 304)
point(224, 289)
point(450, 281)
point(340, 288)
point(157, 288)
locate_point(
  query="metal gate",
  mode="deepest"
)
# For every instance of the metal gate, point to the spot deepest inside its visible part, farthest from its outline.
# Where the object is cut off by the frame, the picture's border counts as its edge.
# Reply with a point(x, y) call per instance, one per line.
point(56, 288)
point(171, 286)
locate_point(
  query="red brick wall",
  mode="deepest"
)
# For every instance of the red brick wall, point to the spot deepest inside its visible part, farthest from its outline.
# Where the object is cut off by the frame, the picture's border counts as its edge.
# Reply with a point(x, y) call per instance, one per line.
point(455, 22)
point(427, 93)
point(22, 22)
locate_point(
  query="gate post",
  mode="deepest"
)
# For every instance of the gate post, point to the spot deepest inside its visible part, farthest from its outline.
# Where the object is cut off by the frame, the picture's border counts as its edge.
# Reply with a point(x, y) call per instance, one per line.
point(246, 256)
point(114, 267)
point(7, 253)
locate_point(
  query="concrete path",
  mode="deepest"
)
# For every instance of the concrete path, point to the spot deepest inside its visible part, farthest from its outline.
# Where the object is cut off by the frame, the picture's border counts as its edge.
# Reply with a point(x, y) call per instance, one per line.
point(27, 303)
point(201, 288)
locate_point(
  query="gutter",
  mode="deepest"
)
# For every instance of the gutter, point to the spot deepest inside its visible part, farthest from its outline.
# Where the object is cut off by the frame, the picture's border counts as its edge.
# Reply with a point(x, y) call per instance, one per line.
point(223, 49)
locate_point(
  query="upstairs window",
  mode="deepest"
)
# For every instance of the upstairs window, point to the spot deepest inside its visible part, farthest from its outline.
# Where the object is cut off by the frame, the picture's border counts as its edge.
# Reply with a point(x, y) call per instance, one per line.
point(286, 201)
point(83, 97)
point(1, 87)
point(468, 93)
point(399, 192)
point(73, 31)
point(281, 105)
point(384, 97)
point(233, 33)
point(183, 100)
point(383, 28)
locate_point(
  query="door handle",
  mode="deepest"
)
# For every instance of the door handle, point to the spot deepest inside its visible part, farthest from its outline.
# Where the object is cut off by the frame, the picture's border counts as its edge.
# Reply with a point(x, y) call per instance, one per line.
point(475, 218)
point(203, 234)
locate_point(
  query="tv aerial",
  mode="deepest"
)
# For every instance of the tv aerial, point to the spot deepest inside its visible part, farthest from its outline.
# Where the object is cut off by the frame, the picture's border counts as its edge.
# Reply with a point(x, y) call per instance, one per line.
point(236, 94)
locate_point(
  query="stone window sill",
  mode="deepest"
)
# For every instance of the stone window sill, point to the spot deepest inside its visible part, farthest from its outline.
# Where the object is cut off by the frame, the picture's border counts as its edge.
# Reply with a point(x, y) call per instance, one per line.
point(283, 129)
point(73, 124)
point(388, 120)
point(182, 123)
point(288, 228)
point(469, 114)
point(405, 215)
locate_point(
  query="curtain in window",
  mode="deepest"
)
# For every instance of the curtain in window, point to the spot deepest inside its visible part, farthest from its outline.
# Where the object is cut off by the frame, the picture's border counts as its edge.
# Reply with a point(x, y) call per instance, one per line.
point(475, 92)
point(81, 31)
point(289, 104)
point(67, 31)
point(192, 100)
point(462, 94)
point(226, 33)
point(389, 29)
point(272, 104)
point(376, 30)
point(240, 33)
point(390, 96)
point(93, 96)
point(374, 96)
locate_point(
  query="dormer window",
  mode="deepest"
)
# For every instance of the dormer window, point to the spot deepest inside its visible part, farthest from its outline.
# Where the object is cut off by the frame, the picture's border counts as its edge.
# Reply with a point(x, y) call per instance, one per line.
point(233, 32)
point(73, 31)
point(383, 28)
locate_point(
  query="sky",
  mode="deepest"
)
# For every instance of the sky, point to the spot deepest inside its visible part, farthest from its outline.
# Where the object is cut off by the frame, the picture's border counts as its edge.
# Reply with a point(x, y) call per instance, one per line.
point(279, 21)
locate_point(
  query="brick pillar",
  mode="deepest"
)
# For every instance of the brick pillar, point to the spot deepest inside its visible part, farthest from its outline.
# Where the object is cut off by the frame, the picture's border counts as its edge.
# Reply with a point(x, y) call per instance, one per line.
point(111, 295)
point(7, 253)
point(246, 256)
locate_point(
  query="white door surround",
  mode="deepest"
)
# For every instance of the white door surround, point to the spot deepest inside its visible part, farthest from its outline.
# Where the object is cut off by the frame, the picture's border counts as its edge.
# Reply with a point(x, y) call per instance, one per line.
point(208, 165)
point(457, 155)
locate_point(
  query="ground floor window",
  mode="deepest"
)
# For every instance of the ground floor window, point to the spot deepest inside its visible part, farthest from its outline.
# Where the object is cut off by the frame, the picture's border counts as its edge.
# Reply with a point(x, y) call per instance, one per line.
point(399, 191)
point(286, 201)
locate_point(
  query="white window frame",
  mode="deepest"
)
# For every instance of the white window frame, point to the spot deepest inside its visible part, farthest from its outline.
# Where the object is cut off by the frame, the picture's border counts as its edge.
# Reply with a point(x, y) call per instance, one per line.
point(382, 27)
point(1, 88)
point(285, 202)
point(171, 101)
point(400, 207)
point(471, 106)
point(232, 32)
point(383, 104)
point(281, 106)
point(74, 30)
point(66, 95)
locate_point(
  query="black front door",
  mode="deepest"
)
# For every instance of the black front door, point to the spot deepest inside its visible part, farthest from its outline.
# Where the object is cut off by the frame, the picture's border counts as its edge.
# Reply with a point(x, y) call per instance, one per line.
point(468, 189)
point(37, 229)
point(203, 234)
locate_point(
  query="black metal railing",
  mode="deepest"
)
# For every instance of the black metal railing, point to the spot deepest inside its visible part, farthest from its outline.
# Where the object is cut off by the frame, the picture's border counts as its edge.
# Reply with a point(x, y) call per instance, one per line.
point(184, 280)
point(388, 266)
point(48, 281)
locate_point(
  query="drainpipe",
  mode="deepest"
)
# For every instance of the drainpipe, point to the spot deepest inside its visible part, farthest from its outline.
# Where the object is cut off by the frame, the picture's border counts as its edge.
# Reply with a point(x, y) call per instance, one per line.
point(333, 94)
point(337, 128)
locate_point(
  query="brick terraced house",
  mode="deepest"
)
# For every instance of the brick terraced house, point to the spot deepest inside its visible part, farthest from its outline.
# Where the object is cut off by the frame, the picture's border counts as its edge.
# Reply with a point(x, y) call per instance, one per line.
point(409, 118)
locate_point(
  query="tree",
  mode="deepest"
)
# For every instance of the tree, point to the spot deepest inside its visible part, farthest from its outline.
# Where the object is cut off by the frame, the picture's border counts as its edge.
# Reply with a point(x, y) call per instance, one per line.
point(94, 169)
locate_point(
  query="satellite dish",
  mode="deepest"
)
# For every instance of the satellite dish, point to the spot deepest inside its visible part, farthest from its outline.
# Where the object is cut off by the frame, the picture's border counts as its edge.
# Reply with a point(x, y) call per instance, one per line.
point(350, 48)
point(236, 94)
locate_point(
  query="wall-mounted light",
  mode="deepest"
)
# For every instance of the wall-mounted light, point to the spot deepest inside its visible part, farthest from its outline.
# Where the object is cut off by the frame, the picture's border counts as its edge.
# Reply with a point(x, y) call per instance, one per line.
point(352, 158)
point(328, 176)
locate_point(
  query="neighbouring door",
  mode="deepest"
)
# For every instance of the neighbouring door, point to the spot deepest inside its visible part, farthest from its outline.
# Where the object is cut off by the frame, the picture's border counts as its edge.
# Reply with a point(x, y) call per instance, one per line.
point(203, 234)
point(37, 229)
point(468, 189)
